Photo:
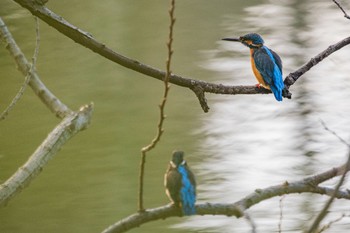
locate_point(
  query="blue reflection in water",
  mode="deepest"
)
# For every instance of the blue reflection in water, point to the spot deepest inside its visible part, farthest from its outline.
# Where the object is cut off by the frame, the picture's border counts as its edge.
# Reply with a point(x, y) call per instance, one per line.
point(253, 142)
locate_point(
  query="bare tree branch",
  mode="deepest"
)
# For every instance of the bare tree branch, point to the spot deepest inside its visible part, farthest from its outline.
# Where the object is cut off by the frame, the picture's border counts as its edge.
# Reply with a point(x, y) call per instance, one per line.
point(328, 225)
point(335, 134)
point(281, 214)
point(88, 41)
point(294, 76)
point(324, 211)
point(68, 127)
point(49, 99)
point(72, 123)
point(29, 74)
point(250, 221)
point(341, 8)
point(306, 185)
point(328, 204)
point(160, 129)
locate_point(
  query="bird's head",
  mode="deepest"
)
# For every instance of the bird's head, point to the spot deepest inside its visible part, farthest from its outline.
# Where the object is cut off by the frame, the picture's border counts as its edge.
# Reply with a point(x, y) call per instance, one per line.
point(178, 159)
point(252, 40)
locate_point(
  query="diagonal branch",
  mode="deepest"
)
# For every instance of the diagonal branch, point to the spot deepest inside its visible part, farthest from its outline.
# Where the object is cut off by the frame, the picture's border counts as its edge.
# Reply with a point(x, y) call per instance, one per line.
point(341, 8)
point(39, 88)
point(29, 74)
point(294, 76)
point(328, 204)
point(71, 124)
point(68, 127)
point(306, 185)
point(85, 39)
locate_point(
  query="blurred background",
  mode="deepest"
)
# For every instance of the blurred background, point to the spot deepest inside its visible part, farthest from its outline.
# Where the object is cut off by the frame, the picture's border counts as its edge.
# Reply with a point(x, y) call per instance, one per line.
point(244, 142)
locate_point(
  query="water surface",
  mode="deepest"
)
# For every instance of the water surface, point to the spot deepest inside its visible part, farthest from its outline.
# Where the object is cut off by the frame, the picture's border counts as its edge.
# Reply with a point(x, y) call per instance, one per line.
point(243, 143)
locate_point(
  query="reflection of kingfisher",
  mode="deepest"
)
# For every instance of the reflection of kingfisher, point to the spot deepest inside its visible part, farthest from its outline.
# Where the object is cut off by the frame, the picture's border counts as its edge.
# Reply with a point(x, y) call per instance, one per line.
point(180, 184)
point(266, 64)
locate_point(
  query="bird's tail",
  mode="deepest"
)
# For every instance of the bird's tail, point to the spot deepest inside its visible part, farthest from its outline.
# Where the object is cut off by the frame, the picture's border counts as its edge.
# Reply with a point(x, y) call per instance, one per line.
point(277, 92)
point(277, 88)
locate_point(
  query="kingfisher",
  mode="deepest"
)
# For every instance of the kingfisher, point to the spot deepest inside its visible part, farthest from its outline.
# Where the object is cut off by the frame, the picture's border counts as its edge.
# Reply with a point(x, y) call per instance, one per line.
point(266, 64)
point(180, 184)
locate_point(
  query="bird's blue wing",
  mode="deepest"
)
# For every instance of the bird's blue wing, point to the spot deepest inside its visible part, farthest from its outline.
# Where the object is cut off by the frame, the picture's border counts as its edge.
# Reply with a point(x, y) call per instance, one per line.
point(278, 60)
point(265, 65)
point(187, 191)
point(269, 65)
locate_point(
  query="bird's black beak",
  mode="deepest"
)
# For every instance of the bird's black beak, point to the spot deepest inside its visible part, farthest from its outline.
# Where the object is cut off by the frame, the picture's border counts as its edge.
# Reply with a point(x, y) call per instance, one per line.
point(232, 39)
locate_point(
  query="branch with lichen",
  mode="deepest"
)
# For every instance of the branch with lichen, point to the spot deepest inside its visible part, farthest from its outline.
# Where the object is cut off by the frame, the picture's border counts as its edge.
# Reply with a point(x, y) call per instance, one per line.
point(72, 122)
point(160, 129)
point(199, 87)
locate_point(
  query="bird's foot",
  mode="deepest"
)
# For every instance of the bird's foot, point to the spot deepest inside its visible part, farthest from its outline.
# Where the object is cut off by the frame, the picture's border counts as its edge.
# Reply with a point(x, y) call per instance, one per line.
point(258, 85)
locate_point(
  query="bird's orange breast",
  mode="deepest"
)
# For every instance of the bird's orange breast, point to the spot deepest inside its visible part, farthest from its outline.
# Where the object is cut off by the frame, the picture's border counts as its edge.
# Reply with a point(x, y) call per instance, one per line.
point(256, 72)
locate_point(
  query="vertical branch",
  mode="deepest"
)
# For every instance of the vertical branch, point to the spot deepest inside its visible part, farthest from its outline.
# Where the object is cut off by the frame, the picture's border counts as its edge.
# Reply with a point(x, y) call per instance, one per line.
point(160, 129)
point(281, 214)
point(28, 76)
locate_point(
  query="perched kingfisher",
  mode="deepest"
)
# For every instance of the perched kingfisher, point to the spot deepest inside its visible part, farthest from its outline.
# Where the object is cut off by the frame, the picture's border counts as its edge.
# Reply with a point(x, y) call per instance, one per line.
point(180, 184)
point(266, 64)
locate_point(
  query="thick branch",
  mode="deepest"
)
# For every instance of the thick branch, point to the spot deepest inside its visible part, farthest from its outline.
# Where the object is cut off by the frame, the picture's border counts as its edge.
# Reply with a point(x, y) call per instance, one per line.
point(69, 126)
point(307, 185)
point(88, 41)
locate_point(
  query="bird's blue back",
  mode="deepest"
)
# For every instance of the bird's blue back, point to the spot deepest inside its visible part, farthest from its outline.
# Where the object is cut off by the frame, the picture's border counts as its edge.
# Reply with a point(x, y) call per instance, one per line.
point(187, 192)
point(269, 65)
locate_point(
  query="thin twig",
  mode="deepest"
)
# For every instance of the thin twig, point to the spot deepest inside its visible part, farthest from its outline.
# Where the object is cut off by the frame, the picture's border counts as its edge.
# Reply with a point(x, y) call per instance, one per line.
point(160, 129)
point(334, 133)
point(341, 8)
point(281, 214)
point(328, 225)
point(28, 76)
point(250, 221)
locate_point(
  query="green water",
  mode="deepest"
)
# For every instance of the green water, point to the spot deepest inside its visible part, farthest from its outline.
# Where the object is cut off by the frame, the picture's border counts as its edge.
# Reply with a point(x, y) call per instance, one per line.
point(243, 143)
point(93, 181)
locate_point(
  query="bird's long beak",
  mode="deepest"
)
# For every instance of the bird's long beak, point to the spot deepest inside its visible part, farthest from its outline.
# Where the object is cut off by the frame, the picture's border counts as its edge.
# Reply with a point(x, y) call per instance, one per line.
point(232, 39)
